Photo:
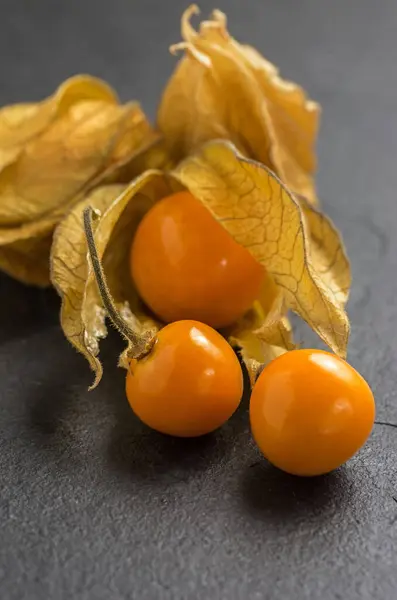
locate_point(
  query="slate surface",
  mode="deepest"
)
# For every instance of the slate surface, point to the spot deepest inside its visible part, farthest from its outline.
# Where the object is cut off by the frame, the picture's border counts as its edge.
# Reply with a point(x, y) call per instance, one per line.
point(95, 506)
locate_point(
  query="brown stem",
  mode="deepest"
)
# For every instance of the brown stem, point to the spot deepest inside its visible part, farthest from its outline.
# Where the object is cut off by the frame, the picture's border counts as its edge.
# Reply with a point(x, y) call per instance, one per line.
point(141, 345)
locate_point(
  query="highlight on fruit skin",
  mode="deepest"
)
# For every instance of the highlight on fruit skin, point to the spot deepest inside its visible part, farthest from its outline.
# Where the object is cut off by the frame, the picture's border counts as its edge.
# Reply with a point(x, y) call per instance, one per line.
point(186, 266)
point(189, 384)
point(310, 412)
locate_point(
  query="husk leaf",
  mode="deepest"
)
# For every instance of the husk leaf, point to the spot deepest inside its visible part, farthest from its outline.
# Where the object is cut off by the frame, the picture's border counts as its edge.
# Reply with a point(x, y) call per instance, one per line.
point(88, 143)
point(305, 266)
point(21, 123)
point(83, 315)
point(69, 272)
point(305, 273)
point(223, 89)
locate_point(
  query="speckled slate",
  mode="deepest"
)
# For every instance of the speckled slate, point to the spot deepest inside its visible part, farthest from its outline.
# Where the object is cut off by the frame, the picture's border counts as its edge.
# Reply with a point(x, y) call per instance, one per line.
point(92, 504)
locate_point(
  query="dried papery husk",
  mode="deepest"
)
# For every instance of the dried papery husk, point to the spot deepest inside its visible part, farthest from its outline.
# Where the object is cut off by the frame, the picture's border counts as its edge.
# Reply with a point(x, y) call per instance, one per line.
point(120, 211)
point(22, 123)
point(224, 89)
point(87, 141)
point(305, 265)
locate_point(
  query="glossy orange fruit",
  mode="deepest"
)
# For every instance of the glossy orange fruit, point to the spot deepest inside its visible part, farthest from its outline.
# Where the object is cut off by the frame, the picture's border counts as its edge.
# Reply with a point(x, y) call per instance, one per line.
point(310, 411)
point(189, 384)
point(186, 266)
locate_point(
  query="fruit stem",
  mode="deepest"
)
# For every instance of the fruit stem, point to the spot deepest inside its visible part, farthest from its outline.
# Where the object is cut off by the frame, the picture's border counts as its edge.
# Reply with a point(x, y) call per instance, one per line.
point(141, 345)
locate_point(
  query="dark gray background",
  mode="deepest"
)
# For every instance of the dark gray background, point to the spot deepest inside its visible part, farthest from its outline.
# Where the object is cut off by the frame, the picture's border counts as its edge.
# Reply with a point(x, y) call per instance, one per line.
point(95, 506)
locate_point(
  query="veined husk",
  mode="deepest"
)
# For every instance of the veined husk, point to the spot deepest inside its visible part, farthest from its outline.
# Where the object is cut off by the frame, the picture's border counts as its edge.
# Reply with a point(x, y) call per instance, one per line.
point(223, 89)
point(52, 154)
point(303, 256)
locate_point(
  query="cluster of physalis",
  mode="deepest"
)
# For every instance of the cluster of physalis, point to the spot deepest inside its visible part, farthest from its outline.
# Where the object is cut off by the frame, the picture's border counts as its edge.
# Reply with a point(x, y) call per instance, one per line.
point(310, 410)
point(208, 233)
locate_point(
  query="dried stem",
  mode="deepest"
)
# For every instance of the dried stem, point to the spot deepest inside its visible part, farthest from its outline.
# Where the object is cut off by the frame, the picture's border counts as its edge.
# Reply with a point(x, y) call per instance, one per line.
point(141, 345)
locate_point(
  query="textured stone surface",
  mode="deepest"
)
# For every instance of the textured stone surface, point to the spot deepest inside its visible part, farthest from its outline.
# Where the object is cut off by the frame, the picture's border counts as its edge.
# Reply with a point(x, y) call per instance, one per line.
point(95, 506)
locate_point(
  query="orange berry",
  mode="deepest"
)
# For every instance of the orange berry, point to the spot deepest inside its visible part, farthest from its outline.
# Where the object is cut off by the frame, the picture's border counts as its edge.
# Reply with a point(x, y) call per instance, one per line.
point(189, 384)
point(186, 266)
point(310, 411)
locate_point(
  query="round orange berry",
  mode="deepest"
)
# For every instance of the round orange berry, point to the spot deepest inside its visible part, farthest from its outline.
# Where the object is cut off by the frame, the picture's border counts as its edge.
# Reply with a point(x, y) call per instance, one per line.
point(186, 266)
point(310, 411)
point(189, 384)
